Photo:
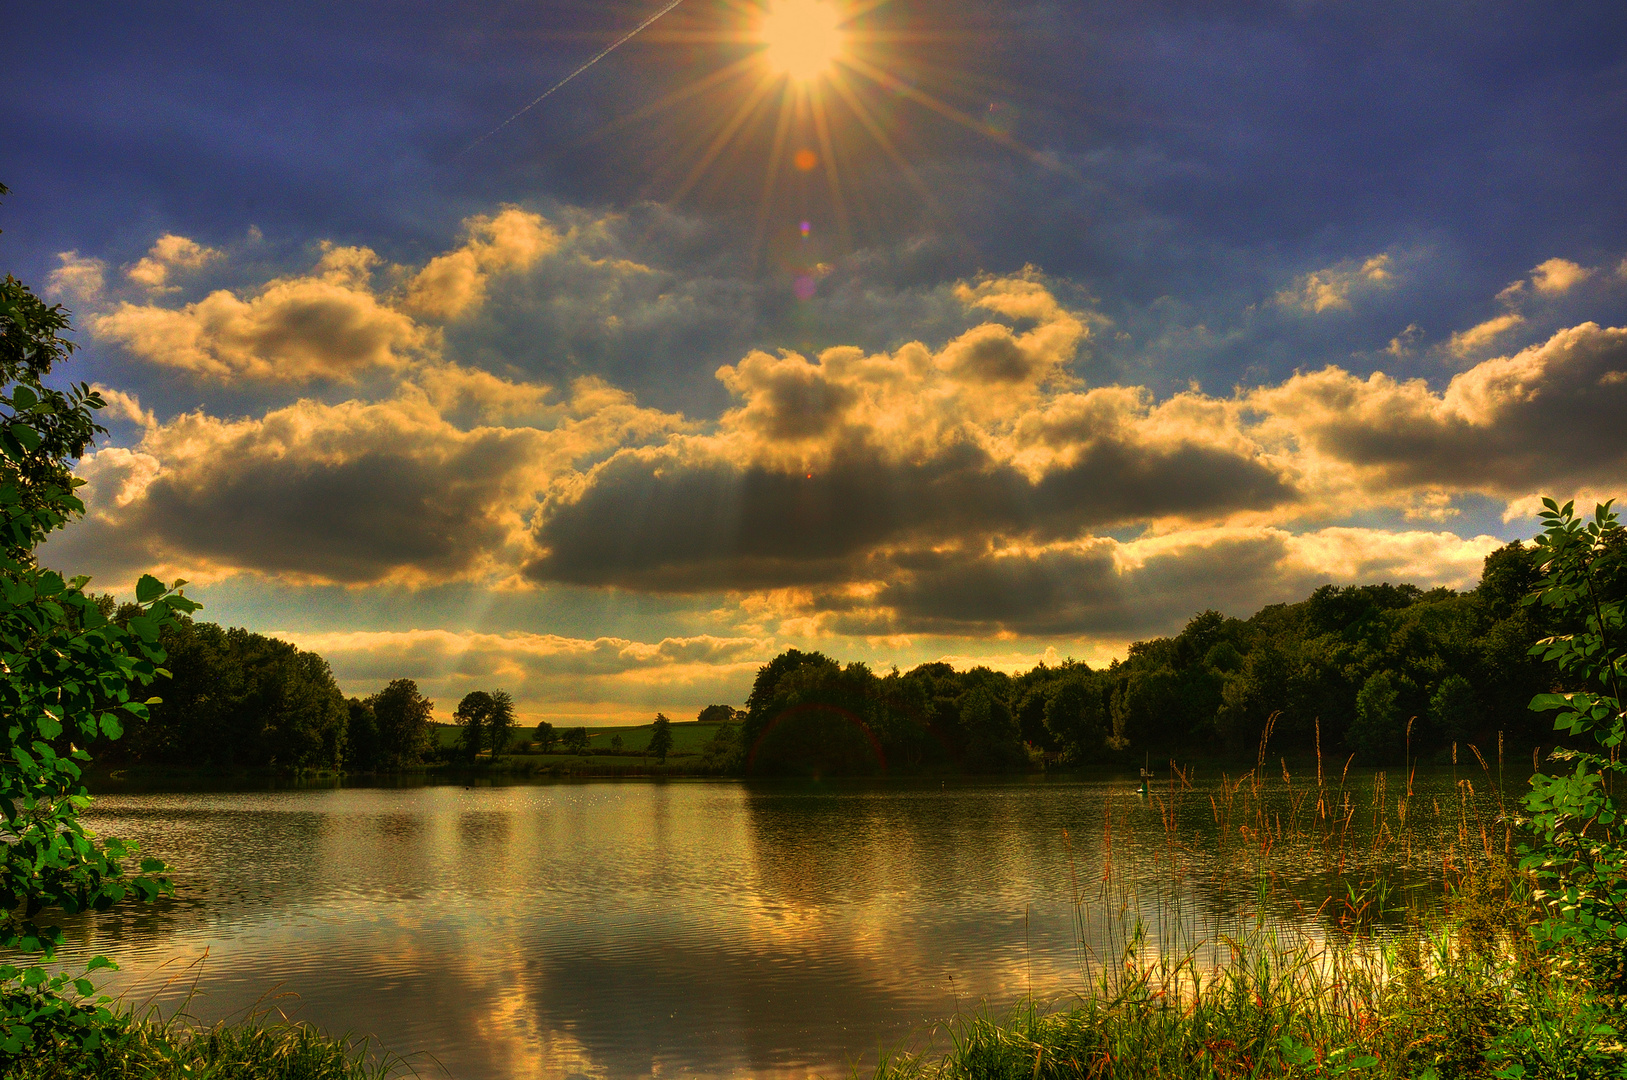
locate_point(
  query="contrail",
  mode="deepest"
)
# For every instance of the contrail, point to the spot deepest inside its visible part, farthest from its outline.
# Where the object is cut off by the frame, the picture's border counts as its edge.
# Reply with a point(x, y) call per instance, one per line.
point(618, 43)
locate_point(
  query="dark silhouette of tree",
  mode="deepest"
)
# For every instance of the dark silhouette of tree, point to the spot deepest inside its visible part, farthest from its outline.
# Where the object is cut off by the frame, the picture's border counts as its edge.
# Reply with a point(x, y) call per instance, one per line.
point(362, 737)
point(500, 722)
point(473, 715)
point(546, 737)
point(660, 738)
point(403, 716)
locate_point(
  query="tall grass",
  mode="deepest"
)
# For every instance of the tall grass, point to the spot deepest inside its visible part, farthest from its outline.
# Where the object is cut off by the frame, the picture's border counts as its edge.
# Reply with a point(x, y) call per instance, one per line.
point(153, 1049)
point(1375, 979)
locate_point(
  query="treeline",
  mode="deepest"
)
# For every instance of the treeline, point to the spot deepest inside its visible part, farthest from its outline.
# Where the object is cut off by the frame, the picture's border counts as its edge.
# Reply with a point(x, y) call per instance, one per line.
point(237, 699)
point(1374, 671)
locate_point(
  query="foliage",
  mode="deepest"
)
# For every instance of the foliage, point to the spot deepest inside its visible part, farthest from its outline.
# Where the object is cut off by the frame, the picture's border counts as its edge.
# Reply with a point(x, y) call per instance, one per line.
point(1373, 670)
point(574, 740)
point(240, 699)
point(472, 715)
point(68, 676)
point(146, 1050)
point(660, 738)
point(546, 736)
point(500, 721)
point(720, 714)
point(1578, 850)
point(402, 715)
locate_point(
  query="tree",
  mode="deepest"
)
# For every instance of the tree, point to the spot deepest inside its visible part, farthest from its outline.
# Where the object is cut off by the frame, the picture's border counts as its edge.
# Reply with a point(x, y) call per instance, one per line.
point(546, 736)
point(720, 714)
point(68, 676)
point(1377, 734)
point(403, 715)
point(660, 738)
point(361, 736)
point(1453, 709)
point(574, 740)
point(1578, 840)
point(615, 744)
point(473, 715)
point(500, 721)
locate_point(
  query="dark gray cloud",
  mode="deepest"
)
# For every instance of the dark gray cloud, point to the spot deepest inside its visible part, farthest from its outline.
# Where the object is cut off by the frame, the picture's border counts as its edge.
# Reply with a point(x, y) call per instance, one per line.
point(659, 521)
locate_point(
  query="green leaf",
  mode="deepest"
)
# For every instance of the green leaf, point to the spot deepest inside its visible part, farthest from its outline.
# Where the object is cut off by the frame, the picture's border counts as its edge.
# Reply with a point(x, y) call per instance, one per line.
point(110, 726)
point(148, 589)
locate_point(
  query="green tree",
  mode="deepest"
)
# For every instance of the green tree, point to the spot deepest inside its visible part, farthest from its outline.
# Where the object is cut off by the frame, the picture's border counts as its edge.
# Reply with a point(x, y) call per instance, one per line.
point(1453, 708)
point(615, 744)
point(402, 714)
point(546, 737)
point(500, 722)
point(473, 716)
point(361, 736)
point(660, 737)
point(719, 714)
point(574, 740)
point(1578, 846)
point(1378, 733)
point(68, 676)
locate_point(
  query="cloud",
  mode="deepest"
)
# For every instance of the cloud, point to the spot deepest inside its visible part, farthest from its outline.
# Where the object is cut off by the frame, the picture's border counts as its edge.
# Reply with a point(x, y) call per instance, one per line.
point(355, 493)
point(549, 675)
point(328, 325)
point(1476, 338)
point(1404, 343)
point(1333, 288)
point(1558, 276)
point(78, 277)
point(824, 460)
point(1549, 415)
point(168, 254)
point(454, 284)
point(1101, 586)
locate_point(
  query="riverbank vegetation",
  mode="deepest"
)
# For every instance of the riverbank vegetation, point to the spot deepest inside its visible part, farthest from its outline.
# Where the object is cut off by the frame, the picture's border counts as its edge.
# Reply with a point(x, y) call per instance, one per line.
point(1519, 972)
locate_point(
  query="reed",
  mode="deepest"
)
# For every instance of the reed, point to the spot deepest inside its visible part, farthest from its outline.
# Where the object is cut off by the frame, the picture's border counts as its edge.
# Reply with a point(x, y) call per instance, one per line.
point(1368, 981)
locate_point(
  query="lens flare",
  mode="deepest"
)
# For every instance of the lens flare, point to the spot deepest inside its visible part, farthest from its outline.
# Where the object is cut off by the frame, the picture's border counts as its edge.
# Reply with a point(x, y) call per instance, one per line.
point(802, 38)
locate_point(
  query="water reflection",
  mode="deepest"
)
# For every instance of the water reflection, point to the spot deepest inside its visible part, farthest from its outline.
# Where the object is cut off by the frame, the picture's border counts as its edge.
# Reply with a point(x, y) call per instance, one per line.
point(636, 928)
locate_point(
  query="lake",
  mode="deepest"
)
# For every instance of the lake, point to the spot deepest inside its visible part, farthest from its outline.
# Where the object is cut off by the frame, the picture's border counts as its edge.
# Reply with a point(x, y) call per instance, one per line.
point(711, 928)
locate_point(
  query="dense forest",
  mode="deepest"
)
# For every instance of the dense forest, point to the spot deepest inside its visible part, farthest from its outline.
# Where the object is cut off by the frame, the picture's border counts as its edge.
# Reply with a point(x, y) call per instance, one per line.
point(1377, 672)
point(1374, 671)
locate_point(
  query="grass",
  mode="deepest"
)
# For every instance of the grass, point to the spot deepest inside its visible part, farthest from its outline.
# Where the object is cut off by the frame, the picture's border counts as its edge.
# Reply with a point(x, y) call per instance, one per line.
point(152, 1049)
point(1358, 985)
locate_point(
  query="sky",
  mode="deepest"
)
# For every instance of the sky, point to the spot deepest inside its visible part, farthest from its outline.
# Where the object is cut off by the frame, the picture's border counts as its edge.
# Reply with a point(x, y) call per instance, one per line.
point(904, 330)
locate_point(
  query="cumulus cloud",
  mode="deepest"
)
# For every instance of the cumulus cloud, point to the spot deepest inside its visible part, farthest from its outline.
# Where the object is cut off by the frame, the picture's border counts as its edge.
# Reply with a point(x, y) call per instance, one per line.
point(604, 678)
point(454, 284)
point(332, 323)
point(1480, 336)
point(168, 254)
point(1558, 276)
point(78, 277)
point(1333, 288)
point(1548, 415)
point(1101, 586)
point(824, 460)
point(354, 493)
point(328, 324)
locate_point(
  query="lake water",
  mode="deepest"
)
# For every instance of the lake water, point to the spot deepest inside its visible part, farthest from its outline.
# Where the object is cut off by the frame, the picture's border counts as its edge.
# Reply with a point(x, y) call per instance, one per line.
point(711, 928)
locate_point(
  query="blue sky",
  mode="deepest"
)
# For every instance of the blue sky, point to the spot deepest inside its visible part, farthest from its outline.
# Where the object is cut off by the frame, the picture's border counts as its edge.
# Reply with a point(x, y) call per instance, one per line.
point(1076, 319)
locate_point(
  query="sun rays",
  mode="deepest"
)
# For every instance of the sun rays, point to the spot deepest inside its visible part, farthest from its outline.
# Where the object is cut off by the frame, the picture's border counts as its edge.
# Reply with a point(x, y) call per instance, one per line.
point(820, 111)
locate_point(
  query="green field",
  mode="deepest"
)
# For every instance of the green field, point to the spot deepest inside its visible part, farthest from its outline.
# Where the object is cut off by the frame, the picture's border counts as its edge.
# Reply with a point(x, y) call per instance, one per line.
point(688, 736)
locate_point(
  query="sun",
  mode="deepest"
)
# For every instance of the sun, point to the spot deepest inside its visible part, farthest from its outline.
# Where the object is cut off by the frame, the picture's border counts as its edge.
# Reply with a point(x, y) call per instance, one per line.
point(802, 39)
